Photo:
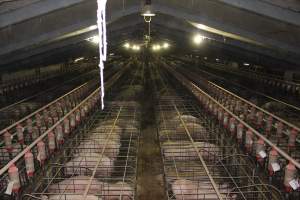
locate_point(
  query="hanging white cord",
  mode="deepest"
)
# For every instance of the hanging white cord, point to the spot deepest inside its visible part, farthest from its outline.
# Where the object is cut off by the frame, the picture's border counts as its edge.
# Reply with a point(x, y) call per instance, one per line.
point(101, 22)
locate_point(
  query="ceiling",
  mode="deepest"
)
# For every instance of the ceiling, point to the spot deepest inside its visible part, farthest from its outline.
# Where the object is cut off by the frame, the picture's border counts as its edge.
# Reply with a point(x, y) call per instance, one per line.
point(261, 31)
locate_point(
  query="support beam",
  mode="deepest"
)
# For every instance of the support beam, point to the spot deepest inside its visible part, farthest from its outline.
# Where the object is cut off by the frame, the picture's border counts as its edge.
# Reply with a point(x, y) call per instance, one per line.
point(71, 21)
point(183, 13)
point(267, 9)
point(76, 17)
point(181, 36)
point(177, 31)
point(34, 10)
point(114, 30)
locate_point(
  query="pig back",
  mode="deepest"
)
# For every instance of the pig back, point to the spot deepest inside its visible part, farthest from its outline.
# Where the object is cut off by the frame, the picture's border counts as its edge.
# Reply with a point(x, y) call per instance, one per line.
point(76, 185)
point(203, 189)
point(71, 197)
point(84, 163)
point(116, 191)
point(185, 151)
point(111, 150)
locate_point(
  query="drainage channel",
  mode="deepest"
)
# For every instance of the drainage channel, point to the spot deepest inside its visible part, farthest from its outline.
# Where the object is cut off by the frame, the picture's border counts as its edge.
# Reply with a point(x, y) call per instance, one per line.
point(150, 182)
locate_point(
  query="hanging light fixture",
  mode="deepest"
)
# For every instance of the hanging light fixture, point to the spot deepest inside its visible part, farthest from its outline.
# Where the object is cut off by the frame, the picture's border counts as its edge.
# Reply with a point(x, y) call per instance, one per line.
point(147, 9)
point(148, 13)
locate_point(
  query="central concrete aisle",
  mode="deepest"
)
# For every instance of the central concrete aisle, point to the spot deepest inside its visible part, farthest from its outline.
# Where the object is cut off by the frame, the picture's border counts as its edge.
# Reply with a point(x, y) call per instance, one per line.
point(150, 181)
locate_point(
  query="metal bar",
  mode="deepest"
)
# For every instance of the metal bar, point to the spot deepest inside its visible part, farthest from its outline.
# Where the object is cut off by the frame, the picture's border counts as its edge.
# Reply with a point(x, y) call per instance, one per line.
point(262, 75)
point(42, 108)
point(200, 156)
point(195, 88)
point(253, 105)
point(215, 187)
point(45, 91)
point(22, 153)
point(87, 188)
point(258, 108)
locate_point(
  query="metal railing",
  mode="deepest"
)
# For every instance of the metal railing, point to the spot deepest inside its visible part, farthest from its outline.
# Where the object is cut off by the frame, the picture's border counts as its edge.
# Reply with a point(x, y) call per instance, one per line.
point(44, 146)
point(207, 100)
point(185, 131)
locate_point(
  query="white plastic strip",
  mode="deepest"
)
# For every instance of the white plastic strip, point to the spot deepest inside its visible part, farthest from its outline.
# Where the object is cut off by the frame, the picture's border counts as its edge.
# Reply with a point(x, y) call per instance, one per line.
point(101, 22)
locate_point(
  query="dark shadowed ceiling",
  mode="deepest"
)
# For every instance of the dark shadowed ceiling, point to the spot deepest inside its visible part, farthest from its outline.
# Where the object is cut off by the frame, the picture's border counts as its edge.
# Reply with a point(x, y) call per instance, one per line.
point(261, 31)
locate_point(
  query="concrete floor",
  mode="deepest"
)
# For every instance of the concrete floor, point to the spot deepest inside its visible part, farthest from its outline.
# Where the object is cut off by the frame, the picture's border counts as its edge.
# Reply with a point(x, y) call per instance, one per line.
point(150, 182)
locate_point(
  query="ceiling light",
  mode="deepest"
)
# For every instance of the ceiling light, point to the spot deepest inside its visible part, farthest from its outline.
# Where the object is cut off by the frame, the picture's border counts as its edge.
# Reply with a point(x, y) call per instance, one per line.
point(136, 47)
point(147, 11)
point(166, 45)
point(94, 39)
point(93, 27)
point(158, 47)
point(246, 64)
point(198, 39)
point(127, 45)
point(78, 59)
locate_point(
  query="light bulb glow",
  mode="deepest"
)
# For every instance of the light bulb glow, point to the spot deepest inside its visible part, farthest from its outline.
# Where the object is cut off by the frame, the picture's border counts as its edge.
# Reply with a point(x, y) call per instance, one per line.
point(127, 45)
point(198, 39)
point(93, 27)
point(94, 39)
point(156, 47)
point(166, 45)
point(78, 59)
point(136, 47)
